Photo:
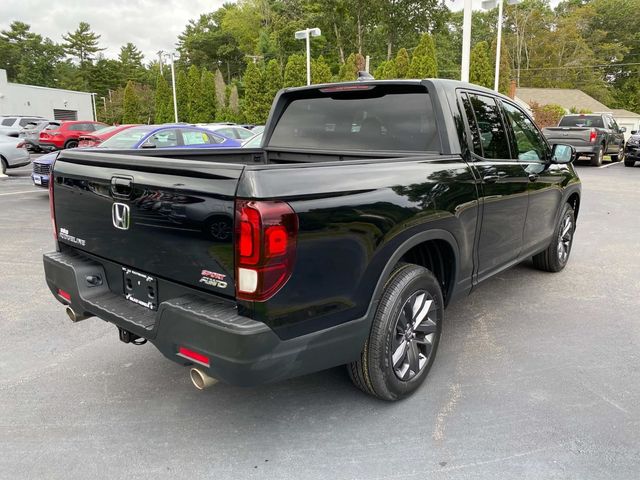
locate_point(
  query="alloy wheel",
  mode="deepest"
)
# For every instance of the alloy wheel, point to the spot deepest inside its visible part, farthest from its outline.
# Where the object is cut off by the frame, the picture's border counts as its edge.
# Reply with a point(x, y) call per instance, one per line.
point(413, 335)
point(564, 239)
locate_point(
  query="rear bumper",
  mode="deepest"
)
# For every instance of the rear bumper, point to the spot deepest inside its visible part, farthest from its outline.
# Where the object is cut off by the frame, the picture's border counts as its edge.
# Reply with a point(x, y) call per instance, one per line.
point(241, 351)
point(633, 152)
point(587, 149)
point(50, 146)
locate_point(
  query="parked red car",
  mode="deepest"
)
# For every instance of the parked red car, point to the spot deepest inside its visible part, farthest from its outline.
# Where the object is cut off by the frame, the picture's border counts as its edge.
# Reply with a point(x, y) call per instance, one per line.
point(95, 139)
point(66, 135)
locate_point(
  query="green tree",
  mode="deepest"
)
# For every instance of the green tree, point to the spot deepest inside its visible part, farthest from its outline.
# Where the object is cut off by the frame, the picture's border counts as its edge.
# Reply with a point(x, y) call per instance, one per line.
point(320, 71)
point(424, 63)
point(130, 59)
point(131, 105)
point(295, 73)
point(255, 104)
point(197, 107)
point(349, 71)
point(402, 63)
point(273, 80)
point(480, 71)
point(164, 101)
point(82, 43)
point(386, 70)
point(209, 96)
point(182, 96)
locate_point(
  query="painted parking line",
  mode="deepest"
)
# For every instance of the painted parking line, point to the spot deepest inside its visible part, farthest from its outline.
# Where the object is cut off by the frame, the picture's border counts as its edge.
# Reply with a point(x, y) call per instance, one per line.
point(23, 191)
point(610, 164)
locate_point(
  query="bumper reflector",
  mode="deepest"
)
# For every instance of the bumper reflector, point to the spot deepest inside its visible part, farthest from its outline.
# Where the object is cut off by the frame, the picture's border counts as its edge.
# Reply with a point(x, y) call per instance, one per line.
point(65, 295)
point(194, 356)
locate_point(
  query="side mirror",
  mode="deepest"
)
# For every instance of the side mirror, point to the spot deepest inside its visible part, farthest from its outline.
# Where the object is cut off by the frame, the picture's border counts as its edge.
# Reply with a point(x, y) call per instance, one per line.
point(562, 153)
point(633, 132)
point(147, 144)
point(623, 129)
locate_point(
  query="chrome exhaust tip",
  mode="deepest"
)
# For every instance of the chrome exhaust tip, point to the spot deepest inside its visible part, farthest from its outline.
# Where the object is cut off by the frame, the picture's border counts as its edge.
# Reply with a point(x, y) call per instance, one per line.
point(75, 317)
point(200, 379)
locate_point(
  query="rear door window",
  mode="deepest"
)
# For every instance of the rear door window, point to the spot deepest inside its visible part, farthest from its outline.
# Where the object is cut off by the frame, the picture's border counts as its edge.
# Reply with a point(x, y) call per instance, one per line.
point(198, 137)
point(381, 118)
point(493, 137)
point(8, 122)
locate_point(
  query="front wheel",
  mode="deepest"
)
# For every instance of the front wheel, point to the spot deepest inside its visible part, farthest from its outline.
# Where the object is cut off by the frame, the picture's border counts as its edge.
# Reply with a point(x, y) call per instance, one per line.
point(629, 163)
point(71, 144)
point(619, 156)
point(556, 256)
point(404, 335)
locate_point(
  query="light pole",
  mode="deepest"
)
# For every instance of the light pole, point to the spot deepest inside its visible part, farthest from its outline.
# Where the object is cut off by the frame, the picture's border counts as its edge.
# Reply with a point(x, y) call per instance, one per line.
point(488, 5)
point(466, 41)
point(307, 34)
point(171, 57)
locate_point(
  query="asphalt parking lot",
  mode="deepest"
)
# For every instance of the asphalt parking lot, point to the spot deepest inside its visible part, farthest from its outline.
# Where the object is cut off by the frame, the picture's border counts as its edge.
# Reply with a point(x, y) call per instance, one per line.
point(537, 377)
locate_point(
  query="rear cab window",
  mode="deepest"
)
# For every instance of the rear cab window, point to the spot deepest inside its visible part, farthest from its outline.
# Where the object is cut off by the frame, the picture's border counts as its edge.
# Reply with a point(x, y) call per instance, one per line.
point(581, 121)
point(359, 118)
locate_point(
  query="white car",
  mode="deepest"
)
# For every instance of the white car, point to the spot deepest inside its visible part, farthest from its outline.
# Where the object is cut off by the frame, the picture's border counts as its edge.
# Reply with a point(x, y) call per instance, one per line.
point(11, 125)
point(12, 155)
point(234, 132)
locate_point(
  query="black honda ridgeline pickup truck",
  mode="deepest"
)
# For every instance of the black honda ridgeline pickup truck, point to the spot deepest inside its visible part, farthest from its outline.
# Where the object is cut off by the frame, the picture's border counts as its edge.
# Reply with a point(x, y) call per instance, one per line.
point(369, 208)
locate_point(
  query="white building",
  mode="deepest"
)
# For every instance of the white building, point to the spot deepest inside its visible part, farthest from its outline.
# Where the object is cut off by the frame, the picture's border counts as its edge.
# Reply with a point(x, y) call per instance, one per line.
point(50, 103)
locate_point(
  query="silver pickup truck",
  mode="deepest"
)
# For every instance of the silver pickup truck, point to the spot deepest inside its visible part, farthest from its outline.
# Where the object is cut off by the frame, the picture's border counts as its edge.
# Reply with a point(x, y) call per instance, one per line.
point(592, 135)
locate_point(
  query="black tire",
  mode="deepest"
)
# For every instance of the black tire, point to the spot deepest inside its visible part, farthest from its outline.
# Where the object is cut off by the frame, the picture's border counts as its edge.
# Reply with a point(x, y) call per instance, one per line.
point(401, 320)
point(629, 163)
point(3, 165)
point(619, 156)
point(71, 144)
point(598, 156)
point(556, 256)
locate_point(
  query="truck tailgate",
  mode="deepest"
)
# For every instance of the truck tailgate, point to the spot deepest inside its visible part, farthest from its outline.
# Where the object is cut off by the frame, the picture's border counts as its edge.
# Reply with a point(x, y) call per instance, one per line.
point(157, 216)
point(569, 135)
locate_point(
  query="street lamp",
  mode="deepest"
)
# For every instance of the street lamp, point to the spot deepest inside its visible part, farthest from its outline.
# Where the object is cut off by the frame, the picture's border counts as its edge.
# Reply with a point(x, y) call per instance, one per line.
point(489, 5)
point(171, 56)
point(307, 34)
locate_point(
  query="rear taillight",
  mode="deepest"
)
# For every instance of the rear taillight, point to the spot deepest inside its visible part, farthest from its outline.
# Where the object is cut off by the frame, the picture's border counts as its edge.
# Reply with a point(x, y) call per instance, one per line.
point(593, 135)
point(52, 211)
point(266, 233)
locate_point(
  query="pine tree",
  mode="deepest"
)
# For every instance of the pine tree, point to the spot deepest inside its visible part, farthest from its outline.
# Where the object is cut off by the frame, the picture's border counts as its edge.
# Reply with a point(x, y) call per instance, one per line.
point(254, 104)
point(131, 105)
point(209, 95)
point(82, 44)
point(424, 63)
point(402, 63)
point(295, 73)
point(273, 81)
point(387, 70)
point(197, 109)
point(320, 71)
point(348, 71)
point(164, 101)
point(221, 96)
point(182, 96)
point(480, 71)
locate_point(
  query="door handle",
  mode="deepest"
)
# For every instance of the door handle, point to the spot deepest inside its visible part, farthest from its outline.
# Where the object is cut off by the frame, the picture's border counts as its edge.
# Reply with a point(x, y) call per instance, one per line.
point(494, 177)
point(533, 177)
point(121, 187)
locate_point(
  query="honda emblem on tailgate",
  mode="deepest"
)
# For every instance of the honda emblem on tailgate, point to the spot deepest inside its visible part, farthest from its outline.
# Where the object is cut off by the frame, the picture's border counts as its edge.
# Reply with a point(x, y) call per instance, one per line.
point(120, 216)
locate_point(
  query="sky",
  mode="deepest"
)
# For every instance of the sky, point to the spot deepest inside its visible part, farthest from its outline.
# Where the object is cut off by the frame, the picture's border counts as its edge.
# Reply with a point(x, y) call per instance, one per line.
point(151, 25)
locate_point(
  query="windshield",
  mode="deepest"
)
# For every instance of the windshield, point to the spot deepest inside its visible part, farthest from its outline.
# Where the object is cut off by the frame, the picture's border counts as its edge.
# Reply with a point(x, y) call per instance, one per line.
point(582, 121)
point(104, 130)
point(383, 118)
point(128, 138)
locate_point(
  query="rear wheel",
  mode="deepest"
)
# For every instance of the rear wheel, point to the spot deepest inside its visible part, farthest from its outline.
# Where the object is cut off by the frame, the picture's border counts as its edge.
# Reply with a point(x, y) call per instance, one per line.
point(3, 165)
point(598, 156)
point(404, 335)
point(556, 256)
point(619, 156)
point(71, 144)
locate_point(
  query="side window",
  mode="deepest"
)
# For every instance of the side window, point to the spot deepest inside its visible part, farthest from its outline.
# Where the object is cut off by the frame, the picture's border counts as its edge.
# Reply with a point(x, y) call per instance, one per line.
point(614, 125)
point(25, 121)
point(227, 132)
point(8, 122)
point(529, 144)
point(243, 134)
point(473, 125)
point(163, 139)
point(76, 127)
point(493, 136)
